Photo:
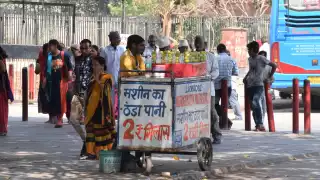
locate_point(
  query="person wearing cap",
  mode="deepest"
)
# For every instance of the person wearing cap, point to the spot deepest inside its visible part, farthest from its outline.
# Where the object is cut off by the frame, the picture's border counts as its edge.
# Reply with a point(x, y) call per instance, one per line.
point(183, 46)
point(112, 54)
point(213, 72)
point(151, 47)
point(164, 43)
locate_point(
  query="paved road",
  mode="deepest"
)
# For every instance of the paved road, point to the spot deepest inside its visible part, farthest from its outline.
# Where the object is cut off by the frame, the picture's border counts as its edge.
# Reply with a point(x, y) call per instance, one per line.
point(298, 169)
point(34, 150)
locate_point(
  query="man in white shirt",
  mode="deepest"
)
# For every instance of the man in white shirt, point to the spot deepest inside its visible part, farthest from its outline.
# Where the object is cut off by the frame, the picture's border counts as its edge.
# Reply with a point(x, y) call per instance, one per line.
point(265, 47)
point(213, 72)
point(112, 55)
point(151, 47)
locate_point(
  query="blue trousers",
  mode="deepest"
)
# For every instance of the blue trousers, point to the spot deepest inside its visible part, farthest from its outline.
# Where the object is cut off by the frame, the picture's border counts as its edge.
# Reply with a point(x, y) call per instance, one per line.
point(255, 96)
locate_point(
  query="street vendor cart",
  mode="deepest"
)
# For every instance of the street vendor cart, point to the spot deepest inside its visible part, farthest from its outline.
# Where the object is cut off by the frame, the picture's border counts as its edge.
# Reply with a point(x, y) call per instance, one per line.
point(167, 114)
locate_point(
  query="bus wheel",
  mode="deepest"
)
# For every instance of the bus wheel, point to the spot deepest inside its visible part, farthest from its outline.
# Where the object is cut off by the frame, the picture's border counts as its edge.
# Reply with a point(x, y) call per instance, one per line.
point(284, 95)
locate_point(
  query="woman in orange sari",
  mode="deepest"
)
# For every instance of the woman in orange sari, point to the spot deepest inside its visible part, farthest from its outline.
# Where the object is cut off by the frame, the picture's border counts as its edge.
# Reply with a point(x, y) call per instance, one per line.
point(99, 121)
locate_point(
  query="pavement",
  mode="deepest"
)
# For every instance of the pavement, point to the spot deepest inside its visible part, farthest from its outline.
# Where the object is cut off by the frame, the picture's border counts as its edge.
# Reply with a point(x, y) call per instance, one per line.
point(295, 169)
point(35, 150)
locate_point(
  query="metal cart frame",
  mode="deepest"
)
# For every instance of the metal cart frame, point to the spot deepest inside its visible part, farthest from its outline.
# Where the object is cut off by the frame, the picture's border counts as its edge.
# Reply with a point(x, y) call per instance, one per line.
point(203, 144)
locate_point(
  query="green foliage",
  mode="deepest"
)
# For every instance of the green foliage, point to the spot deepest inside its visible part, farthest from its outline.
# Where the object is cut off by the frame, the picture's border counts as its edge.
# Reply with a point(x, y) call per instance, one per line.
point(132, 9)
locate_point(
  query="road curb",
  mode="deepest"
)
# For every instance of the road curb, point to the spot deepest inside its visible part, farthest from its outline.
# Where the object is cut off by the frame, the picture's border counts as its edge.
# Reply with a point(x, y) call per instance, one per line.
point(237, 167)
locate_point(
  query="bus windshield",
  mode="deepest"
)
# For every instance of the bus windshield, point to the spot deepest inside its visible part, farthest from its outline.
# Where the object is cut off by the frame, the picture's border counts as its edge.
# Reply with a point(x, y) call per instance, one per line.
point(303, 5)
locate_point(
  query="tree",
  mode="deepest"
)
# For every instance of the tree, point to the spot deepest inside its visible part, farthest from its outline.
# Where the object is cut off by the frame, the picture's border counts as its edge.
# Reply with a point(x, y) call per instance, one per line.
point(248, 8)
point(169, 8)
point(133, 8)
point(166, 9)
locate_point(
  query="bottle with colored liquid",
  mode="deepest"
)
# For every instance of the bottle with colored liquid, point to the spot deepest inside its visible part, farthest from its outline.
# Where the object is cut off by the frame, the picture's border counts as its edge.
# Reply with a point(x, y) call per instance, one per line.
point(177, 57)
point(154, 57)
point(163, 57)
point(186, 57)
point(169, 57)
point(148, 63)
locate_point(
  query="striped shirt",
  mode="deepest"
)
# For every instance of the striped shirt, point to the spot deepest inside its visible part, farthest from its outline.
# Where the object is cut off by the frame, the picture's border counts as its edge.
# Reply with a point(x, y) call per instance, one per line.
point(226, 68)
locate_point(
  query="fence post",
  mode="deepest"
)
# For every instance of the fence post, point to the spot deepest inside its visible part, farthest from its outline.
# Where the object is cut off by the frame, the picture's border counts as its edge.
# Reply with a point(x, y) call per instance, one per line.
point(269, 108)
point(99, 30)
point(31, 82)
point(224, 103)
point(307, 107)
point(25, 94)
point(295, 106)
point(247, 109)
point(11, 77)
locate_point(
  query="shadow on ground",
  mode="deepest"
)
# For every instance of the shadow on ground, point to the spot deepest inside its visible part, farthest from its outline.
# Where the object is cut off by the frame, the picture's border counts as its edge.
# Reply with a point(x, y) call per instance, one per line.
point(297, 169)
point(34, 150)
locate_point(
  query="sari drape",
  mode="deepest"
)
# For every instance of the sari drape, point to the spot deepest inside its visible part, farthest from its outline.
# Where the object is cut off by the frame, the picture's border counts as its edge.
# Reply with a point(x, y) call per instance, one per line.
point(99, 121)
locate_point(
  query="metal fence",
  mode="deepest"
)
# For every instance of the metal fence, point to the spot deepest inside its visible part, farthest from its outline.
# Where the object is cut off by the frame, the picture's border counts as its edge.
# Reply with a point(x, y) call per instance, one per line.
point(36, 26)
point(39, 29)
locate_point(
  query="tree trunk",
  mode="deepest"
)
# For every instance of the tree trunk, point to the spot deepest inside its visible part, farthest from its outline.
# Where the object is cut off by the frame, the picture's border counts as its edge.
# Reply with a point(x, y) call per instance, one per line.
point(167, 22)
point(180, 28)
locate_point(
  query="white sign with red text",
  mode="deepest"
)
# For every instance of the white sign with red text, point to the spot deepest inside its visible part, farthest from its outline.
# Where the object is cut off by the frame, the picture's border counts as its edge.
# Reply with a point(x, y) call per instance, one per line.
point(192, 113)
point(145, 120)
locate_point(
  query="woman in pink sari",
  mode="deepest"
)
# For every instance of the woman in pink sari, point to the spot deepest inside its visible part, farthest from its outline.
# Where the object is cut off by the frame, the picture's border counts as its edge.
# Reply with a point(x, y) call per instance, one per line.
point(5, 94)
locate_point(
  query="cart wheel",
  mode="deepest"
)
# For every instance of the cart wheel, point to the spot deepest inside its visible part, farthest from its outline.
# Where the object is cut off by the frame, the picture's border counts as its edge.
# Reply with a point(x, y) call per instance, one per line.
point(204, 153)
point(139, 159)
point(148, 165)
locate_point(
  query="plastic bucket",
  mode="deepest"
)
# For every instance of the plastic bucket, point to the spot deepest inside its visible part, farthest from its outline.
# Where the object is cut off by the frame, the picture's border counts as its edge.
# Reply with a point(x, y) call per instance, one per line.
point(110, 161)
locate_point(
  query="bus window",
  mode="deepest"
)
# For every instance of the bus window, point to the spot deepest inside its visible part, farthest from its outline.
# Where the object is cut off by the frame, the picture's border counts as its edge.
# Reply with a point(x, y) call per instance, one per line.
point(303, 5)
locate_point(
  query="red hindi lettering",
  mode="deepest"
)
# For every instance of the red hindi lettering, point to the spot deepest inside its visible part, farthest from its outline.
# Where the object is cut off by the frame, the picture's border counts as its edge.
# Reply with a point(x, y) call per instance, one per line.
point(148, 131)
point(186, 132)
point(193, 131)
point(139, 129)
point(164, 132)
point(155, 132)
point(185, 100)
point(204, 129)
point(202, 98)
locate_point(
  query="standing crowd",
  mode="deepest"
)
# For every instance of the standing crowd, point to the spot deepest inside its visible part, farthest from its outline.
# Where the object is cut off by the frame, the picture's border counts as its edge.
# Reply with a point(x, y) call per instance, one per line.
point(82, 83)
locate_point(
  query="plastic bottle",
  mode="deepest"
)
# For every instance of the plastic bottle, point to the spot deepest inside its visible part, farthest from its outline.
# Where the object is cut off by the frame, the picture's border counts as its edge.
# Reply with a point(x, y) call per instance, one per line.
point(186, 57)
point(154, 57)
point(177, 57)
point(169, 57)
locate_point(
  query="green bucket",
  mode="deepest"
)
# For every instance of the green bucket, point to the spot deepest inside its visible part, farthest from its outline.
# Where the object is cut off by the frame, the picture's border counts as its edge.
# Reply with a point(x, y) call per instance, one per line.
point(110, 161)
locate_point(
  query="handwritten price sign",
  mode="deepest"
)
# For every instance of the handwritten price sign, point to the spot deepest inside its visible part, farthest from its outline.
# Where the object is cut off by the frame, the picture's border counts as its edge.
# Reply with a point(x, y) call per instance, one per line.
point(145, 116)
point(192, 112)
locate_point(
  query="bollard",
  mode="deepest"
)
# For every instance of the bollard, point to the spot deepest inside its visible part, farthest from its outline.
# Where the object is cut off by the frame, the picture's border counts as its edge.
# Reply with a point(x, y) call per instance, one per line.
point(224, 103)
point(247, 109)
point(11, 77)
point(307, 107)
point(295, 106)
point(25, 94)
point(269, 108)
point(31, 82)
